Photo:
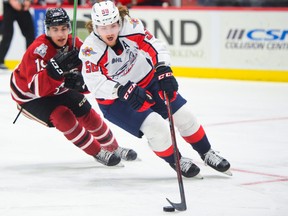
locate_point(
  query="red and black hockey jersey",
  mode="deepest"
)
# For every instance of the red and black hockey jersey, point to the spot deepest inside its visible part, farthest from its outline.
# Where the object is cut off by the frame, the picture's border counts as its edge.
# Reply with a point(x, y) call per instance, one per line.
point(30, 79)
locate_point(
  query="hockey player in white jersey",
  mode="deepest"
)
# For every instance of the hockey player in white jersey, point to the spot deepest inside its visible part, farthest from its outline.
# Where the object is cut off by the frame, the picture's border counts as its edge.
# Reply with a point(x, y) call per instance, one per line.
point(127, 70)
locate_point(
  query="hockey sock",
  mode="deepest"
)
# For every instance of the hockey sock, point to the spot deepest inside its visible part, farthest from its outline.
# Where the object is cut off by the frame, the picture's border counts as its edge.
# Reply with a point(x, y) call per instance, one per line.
point(199, 141)
point(99, 129)
point(168, 155)
point(65, 121)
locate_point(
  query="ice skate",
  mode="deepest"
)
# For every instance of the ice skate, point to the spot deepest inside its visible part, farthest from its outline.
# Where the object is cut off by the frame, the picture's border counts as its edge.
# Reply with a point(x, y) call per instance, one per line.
point(107, 158)
point(212, 159)
point(188, 168)
point(126, 154)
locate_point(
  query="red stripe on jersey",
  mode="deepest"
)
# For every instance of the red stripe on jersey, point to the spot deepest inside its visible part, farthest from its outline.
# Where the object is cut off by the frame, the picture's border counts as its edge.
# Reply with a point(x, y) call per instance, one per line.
point(196, 137)
point(144, 45)
point(105, 102)
point(146, 80)
point(151, 50)
point(102, 61)
point(168, 152)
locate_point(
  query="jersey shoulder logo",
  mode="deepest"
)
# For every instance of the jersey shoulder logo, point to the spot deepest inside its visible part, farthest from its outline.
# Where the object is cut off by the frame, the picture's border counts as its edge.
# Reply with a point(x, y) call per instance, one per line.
point(88, 51)
point(134, 22)
point(41, 50)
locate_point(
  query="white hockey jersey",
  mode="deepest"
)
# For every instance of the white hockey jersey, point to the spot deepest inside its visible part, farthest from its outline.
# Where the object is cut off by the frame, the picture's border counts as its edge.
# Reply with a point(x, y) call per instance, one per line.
point(103, 68)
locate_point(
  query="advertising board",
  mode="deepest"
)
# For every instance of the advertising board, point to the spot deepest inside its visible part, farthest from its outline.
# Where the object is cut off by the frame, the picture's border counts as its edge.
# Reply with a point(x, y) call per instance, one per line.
point(240, 44)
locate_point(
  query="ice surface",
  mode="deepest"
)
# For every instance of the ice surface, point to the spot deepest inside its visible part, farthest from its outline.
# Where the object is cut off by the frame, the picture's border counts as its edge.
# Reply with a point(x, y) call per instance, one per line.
point(42, 174)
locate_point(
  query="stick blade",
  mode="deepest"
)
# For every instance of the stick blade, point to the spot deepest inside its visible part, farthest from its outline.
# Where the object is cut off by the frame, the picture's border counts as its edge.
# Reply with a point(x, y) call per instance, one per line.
point(178, 206)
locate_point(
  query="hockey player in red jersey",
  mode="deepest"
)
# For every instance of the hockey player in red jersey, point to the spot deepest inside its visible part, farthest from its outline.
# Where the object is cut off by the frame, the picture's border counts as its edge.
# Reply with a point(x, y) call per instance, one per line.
point(128, 69)
point(46, 86)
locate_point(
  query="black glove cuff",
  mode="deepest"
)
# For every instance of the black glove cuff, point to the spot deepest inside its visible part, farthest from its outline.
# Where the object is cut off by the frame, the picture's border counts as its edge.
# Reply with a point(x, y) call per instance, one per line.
point(163, 69)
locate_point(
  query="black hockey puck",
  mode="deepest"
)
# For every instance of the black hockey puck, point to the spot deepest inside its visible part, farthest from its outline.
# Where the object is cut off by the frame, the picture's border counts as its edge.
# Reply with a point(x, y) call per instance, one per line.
point(168, 209)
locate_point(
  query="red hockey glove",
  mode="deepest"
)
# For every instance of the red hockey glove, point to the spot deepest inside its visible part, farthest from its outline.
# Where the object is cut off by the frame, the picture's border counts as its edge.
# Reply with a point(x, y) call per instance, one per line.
point(137, 97)
point(167, 82)
point(62, 62)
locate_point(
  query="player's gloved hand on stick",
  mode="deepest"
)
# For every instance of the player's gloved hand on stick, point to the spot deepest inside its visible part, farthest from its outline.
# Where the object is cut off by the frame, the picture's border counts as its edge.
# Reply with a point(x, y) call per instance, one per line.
point(138, 98)
point(167, 82)
point(74, 80)
point(61, 63)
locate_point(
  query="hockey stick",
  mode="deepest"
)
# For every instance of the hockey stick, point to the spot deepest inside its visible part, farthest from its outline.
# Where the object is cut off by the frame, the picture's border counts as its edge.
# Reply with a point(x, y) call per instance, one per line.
point(20, 111)
point(74, 24)
point(182, 205)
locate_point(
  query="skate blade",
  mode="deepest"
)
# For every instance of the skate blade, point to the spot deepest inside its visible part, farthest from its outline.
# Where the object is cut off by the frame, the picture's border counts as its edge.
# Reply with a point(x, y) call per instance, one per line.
point(137, 159)
point(228, 172)
point(198, 176)
point(119, 165)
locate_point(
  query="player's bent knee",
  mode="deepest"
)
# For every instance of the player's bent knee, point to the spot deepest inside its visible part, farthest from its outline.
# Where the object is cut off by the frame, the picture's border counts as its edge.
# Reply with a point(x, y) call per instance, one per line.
point(62, 118)
point(156, 130)
point(185, 121)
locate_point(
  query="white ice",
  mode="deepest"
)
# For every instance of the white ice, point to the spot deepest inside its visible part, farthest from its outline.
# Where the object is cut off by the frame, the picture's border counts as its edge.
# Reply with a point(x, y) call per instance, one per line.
point(42, 174)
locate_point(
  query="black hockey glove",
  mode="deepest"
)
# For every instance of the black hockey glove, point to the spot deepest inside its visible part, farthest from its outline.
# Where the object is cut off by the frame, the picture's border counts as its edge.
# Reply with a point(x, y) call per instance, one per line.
point(74, 80)
point(61, 63)
point(137, 97)
point(167, 82)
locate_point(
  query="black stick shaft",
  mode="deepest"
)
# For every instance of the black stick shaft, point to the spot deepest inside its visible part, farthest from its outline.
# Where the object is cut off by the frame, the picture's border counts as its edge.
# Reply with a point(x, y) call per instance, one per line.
point(176, 155)
point(20, 111)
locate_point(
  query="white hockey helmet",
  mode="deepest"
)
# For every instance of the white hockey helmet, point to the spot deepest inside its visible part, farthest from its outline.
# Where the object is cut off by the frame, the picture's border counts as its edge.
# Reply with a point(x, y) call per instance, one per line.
point(104, 13)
